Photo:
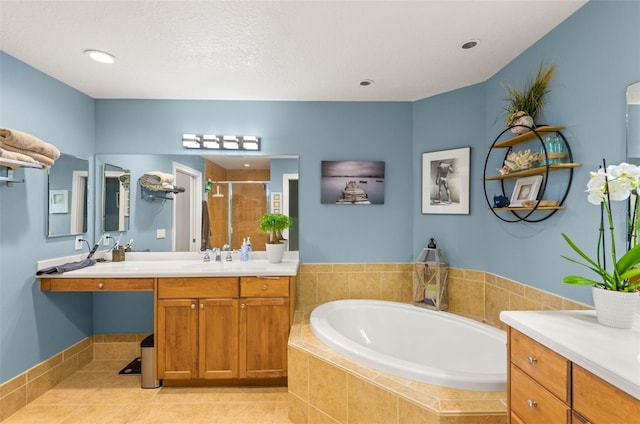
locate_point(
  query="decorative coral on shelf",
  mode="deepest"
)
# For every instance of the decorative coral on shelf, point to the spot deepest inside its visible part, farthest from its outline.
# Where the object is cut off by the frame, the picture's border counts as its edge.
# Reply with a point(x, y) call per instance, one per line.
point(522, 159)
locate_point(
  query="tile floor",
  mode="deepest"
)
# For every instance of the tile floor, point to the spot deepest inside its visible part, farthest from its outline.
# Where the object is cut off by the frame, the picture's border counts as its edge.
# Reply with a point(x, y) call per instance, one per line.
point(98, 394)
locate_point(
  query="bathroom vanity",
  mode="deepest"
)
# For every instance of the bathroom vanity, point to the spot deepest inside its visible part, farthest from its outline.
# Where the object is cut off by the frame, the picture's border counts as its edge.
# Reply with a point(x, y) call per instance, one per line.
point(214, 323)
point(565, 367)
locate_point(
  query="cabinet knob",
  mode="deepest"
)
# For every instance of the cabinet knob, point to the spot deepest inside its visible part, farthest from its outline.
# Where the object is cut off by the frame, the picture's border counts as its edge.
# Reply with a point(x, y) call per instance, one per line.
point(202, 306)
point(264, 287)
point(100, 285)
point(531, 403)
point(193, 306)
point(532, 359)
point(242, 306)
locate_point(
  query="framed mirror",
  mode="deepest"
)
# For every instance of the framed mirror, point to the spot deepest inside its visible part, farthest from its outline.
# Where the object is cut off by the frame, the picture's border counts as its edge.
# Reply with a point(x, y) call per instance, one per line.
point(232, 214)
point(115, 198)
point(67, 196)
point(633, 140)
point(633, 123)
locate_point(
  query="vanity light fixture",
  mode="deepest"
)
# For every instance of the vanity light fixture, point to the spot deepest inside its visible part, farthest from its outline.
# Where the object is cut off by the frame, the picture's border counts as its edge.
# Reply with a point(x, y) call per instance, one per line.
point(210, 142)
point(100, 56)
point(250, 142)
point(214, 142)
point(191, 141)
point(230, 142)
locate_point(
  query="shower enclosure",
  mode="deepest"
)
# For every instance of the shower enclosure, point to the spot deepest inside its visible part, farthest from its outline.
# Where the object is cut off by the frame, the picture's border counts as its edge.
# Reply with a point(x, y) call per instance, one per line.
point(234, 210)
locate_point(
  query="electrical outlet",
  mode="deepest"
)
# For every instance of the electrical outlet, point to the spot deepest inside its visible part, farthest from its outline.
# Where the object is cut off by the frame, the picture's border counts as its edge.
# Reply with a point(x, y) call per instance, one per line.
point(78, 245)
point(161, 233)
point(105, 239)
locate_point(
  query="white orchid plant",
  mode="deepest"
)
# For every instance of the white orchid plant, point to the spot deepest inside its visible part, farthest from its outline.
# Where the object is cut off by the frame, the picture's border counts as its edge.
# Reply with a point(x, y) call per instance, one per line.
point(608, 184)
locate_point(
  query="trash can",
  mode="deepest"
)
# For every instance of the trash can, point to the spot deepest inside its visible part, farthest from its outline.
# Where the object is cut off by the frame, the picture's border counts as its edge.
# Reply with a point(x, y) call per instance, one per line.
point(147, 364)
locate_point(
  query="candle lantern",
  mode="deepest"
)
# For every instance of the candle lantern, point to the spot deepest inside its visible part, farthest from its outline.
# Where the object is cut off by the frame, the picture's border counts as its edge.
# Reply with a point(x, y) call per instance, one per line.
point(430, 280)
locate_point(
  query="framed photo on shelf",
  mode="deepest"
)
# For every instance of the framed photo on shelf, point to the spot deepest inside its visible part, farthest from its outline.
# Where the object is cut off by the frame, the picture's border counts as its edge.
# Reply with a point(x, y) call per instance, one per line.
point(525, 189)
point(58, 201)
point(445, 181)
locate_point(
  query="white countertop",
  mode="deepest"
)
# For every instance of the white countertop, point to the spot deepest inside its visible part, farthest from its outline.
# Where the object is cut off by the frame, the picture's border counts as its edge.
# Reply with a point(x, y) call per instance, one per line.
point(611, 354)
point(175, 264)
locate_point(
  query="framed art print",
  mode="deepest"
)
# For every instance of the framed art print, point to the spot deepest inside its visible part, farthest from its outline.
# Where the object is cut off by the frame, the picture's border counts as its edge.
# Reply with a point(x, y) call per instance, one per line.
point(58, 201)
point(525, 189)
point(445, 181)
point(350, 182)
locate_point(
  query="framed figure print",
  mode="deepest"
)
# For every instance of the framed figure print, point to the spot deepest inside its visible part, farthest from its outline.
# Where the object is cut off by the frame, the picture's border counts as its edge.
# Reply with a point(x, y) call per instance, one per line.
point(445, 181)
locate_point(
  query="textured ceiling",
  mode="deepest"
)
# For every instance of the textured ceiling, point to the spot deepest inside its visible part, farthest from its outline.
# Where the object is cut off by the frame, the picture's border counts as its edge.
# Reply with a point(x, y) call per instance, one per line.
point(274, 50)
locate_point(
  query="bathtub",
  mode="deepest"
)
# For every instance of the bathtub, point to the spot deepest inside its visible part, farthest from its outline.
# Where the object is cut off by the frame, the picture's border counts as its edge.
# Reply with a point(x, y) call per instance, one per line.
point(428, 346)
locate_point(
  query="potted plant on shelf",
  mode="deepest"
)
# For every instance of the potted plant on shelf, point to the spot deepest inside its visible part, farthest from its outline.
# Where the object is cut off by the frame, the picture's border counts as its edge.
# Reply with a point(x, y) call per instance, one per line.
point(273, 224)
point(615, 293)
point(524, 104)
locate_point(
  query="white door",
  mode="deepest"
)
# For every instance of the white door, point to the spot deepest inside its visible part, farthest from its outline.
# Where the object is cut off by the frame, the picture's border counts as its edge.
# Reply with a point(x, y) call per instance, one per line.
point(187, 207)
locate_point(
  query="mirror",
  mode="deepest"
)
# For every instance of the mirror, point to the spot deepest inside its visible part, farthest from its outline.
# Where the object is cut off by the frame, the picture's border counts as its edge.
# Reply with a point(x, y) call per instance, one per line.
point(175, 223)
point(633, 140)
point(68, 185)
point(633, 123)
point(115, 198)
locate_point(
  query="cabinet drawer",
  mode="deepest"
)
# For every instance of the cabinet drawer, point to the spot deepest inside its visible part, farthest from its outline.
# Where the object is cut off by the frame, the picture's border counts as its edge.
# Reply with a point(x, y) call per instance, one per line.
point(600, 402)
point(182, 288)
point(542, 364)
point(96, 284)
point(264, 287)
point(532, 403)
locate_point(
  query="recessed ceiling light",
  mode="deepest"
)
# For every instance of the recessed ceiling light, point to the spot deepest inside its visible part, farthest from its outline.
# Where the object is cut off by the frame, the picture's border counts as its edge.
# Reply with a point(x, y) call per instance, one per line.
point(99, 56)
point(366, 82)
point(247, 165)
point(469, 44)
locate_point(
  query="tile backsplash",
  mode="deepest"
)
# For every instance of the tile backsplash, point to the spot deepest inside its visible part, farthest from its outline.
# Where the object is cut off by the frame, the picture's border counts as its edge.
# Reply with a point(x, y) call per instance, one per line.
point(476, 294)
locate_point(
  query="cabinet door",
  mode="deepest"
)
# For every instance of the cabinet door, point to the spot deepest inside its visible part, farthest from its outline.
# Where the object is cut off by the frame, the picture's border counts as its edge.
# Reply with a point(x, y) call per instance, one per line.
point(264, 331)
point(177, 339)
point(218, 328)
point(600, 402)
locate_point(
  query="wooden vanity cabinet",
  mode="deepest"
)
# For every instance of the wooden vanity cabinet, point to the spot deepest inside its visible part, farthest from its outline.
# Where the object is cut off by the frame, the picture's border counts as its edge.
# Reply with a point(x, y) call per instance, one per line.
point(264, 326)
point(223, 327)
point(545, 387)
point(197, 328)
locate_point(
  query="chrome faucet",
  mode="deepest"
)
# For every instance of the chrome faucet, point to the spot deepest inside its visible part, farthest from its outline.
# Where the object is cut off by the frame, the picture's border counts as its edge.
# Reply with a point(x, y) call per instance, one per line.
point(227, 248)
point(207, 256)
point(216, 253)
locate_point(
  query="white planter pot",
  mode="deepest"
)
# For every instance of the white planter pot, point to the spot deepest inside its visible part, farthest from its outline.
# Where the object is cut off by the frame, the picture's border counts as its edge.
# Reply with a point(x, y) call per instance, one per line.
point(275, 252)
point(615, 309)
point(523, 120)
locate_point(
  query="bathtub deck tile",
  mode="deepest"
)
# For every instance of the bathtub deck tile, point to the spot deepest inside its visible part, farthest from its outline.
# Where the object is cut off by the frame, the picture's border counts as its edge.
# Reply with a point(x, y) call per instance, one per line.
point(449, 404)
point(480, 407)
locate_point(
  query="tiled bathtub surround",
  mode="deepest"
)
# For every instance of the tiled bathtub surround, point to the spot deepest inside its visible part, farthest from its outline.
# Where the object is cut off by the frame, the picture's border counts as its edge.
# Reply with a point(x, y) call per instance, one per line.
point(23, 389)
point(324, 386)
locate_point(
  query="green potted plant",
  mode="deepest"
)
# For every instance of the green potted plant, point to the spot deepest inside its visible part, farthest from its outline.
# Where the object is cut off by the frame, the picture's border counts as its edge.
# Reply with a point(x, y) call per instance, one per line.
point(273, 224)
point(619, 284)
point(525, 103)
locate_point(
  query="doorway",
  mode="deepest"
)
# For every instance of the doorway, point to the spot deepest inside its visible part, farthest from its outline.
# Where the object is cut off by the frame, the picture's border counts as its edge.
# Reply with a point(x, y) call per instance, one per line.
point(187, 207)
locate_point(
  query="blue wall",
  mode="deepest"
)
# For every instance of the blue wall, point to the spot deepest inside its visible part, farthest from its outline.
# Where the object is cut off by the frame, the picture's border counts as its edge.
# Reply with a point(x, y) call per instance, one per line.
point(35, 325)
point(597, 54)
